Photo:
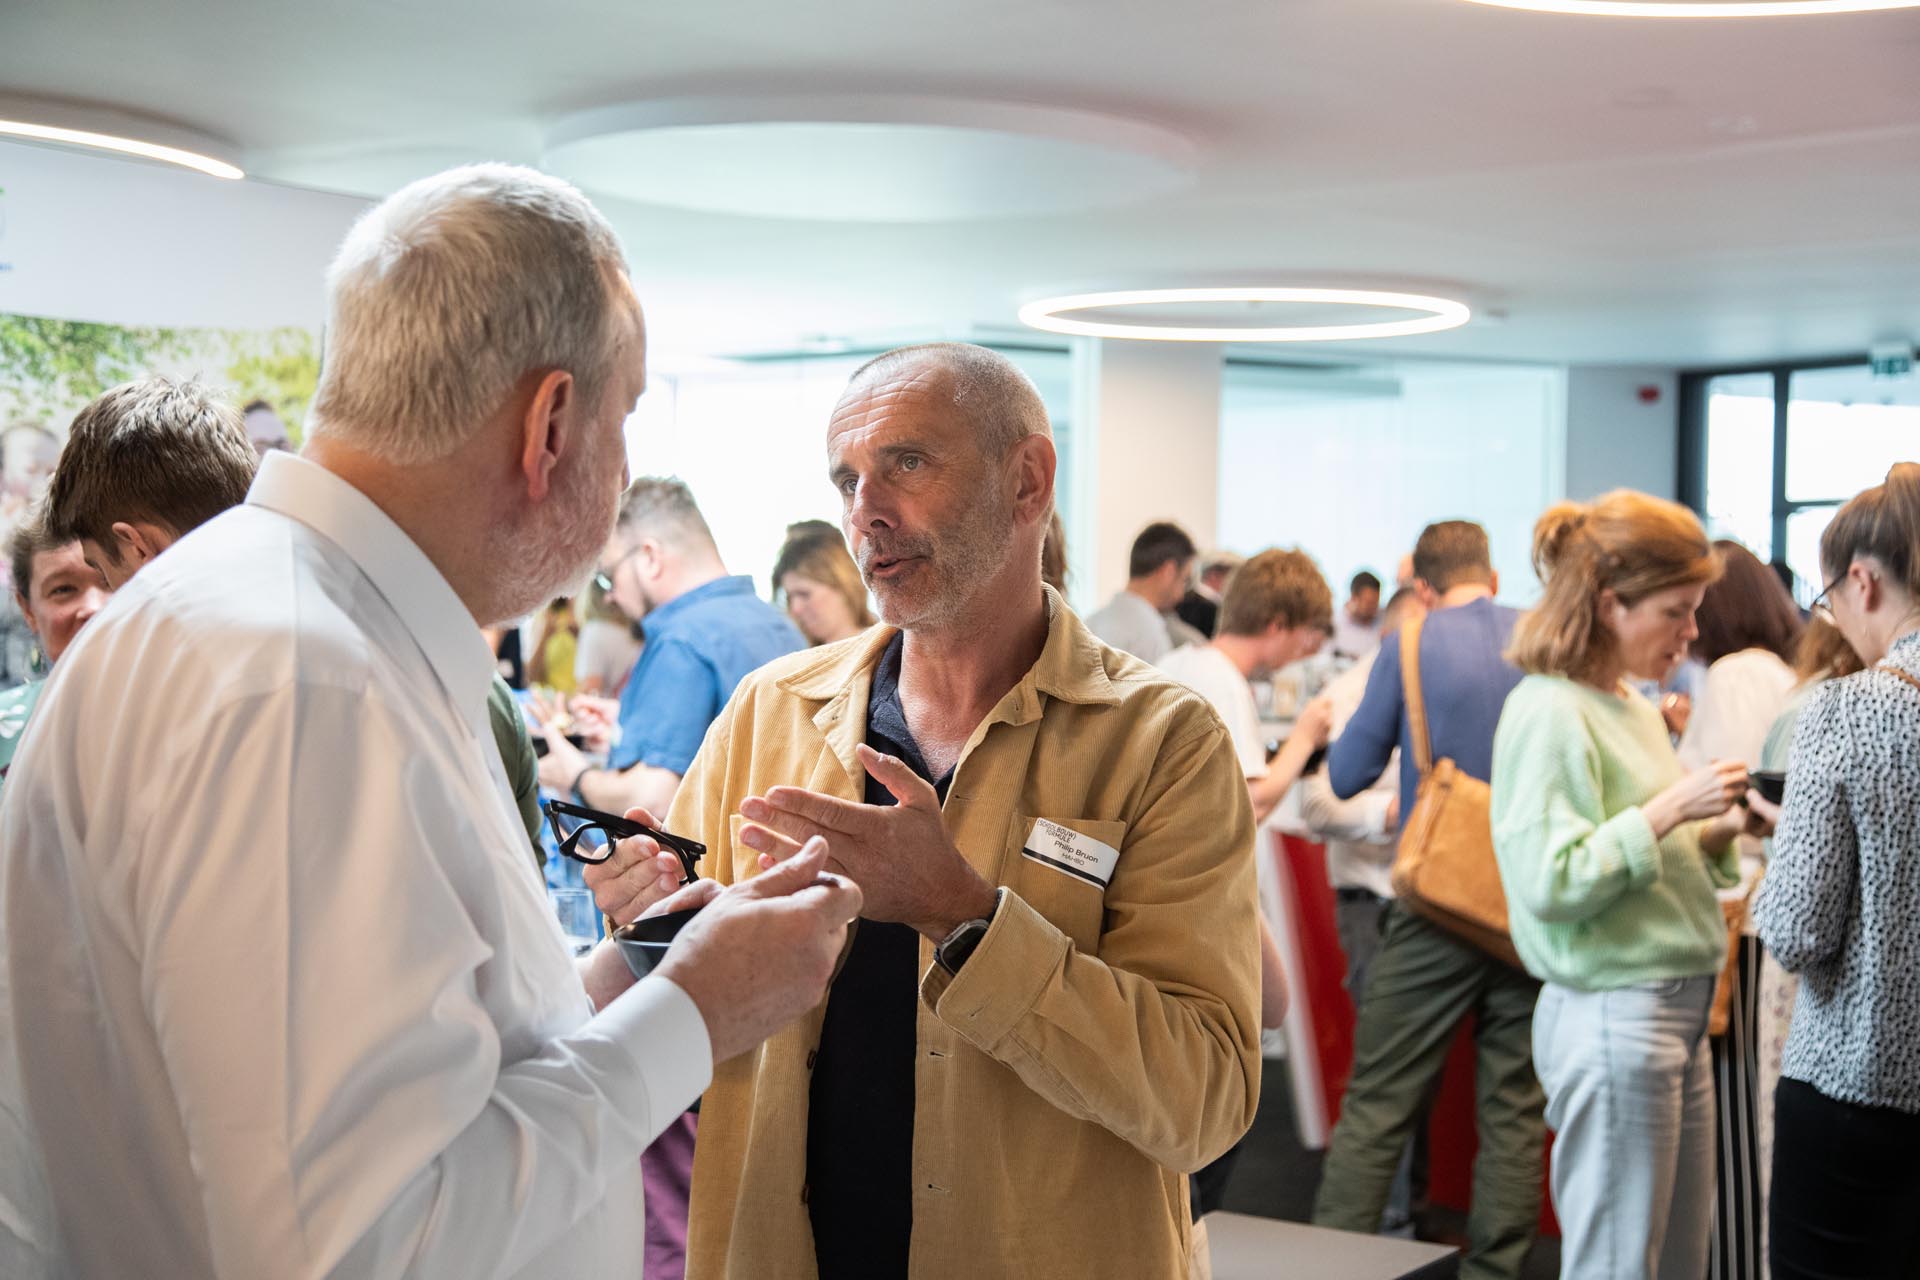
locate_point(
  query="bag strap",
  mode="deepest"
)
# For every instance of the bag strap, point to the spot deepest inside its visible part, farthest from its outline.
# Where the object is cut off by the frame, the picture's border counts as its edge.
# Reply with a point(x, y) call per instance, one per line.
point(1896, 671)
point(1416, 697)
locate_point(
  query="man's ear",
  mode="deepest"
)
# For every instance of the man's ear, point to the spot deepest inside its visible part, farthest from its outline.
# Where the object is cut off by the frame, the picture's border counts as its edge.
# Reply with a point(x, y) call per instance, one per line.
point(1423, 592)
point(550, 427)
point(1493, 581)
point(135, 544)
point(1034, 463)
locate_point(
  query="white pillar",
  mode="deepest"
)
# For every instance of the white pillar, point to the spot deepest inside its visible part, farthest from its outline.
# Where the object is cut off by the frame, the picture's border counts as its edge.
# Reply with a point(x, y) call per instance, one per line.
point(1149, 449)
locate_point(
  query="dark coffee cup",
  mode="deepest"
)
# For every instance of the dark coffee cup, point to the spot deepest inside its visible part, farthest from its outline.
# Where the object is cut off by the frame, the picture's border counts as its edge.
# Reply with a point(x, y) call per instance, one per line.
point(643, 944)
point(1770, 784)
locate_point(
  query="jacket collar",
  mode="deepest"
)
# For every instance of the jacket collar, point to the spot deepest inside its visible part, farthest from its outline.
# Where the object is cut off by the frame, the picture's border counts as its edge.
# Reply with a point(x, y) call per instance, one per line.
point(1071, 667)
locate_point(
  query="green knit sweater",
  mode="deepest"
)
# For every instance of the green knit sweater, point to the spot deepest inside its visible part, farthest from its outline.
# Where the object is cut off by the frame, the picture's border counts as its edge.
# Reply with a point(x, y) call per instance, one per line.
point(1595, 902)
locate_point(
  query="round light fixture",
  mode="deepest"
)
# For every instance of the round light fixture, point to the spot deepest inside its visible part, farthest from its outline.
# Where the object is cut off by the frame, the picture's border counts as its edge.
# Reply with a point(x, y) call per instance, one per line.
point(866, 158)
point(1056, 314)
point(74, 124)
point(1699, 8)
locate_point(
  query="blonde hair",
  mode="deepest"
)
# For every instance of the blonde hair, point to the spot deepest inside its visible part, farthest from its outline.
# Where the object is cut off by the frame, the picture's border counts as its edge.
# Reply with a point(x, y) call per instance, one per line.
point(826, 561)
point(1632, 544)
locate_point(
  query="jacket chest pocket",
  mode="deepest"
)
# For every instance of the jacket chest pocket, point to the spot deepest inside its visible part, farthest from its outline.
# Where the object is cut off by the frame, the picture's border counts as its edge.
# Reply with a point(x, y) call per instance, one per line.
point(1061, 867)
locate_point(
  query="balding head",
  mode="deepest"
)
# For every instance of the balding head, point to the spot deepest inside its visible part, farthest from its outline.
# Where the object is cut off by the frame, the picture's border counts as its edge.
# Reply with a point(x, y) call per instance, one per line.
point(987, 389)
point(943, 457)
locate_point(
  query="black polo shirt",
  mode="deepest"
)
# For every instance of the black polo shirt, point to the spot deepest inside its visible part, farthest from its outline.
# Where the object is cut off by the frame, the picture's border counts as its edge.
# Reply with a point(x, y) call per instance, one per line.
point(860, 1114)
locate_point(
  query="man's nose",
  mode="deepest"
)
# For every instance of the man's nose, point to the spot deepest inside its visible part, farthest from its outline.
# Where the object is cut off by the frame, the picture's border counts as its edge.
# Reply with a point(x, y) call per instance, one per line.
point(871, 508)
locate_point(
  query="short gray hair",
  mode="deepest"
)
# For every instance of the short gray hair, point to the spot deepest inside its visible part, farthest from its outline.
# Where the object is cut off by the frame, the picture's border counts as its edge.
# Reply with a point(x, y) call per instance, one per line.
point(992, 391)
point(447, 292)
point(662, 508)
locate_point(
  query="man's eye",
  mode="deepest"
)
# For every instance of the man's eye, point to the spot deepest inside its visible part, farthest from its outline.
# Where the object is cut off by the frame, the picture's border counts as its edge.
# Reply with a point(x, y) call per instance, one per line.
point(910, 462)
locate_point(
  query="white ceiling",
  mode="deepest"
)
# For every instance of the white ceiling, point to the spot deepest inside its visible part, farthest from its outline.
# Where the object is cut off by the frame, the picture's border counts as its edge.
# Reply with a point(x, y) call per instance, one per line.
point(1624, 191)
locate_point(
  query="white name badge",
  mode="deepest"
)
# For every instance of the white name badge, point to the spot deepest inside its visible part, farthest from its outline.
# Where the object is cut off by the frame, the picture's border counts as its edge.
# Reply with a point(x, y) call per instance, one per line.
point(1068, 851)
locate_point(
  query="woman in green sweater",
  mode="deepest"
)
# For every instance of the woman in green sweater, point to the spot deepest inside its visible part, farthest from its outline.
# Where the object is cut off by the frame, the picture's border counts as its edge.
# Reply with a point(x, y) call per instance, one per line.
point(1610, 853)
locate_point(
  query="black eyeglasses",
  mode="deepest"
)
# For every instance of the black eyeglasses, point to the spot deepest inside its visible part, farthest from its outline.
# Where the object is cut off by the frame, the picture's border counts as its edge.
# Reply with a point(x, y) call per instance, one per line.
point(587, 835)
point(603, 578)
point(1820, 608)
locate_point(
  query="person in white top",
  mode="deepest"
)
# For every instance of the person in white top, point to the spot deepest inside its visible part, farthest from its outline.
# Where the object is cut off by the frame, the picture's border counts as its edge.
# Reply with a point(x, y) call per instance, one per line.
point(1356, 625)
point(1135, 620)
point(1749, 627)
point(283, 990)
point(1276, 609)
point(1360, 831)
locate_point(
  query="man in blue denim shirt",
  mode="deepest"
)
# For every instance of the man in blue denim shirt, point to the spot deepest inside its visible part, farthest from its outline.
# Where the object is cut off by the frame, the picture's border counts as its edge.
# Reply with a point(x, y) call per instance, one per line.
point(704, 631)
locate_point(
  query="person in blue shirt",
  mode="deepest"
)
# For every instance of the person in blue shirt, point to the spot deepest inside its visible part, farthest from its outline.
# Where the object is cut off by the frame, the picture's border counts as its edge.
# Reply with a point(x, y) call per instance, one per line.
point(704, 631)
point(1425, 981)
point(57, 592)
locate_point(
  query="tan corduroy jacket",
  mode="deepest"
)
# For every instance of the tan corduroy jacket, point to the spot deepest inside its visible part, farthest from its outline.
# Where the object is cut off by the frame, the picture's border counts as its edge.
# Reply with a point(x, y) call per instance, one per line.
point(1096, 1047)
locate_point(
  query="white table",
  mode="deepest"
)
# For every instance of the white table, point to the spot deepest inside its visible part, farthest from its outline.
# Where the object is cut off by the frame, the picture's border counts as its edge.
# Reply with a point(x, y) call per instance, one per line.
point(1249, 1248)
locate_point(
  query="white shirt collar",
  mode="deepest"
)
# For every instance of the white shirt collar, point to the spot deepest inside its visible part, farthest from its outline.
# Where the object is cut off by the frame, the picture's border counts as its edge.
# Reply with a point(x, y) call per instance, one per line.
point(422, 598)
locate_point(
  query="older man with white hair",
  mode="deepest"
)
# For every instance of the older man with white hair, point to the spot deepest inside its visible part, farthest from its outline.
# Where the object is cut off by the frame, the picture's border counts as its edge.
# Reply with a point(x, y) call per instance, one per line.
point(286, 995)
point(1050, 1012)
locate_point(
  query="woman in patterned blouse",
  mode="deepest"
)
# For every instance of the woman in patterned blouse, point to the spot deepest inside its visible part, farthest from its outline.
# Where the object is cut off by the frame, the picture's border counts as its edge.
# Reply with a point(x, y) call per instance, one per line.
point(1841, 906)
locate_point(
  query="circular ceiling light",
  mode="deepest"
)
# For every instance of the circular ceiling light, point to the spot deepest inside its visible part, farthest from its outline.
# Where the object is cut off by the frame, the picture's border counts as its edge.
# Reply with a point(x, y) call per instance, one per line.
point(96, 128)
point(1699, 8)
point(1056, 315)
point(871, 158)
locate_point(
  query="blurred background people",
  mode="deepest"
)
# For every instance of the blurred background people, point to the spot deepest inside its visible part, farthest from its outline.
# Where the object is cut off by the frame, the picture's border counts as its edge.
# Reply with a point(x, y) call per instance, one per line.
point(1135, 620)
point(1426, 981)
point(57, 592)
point(556, 644)
point(1838, 907)
point(820, 585)
point(1200, 607)
point(1053, 554)
point(1610, 852)
point(1359, 830)
point(266, 432)
point(1749, 627)
point(1275, 611)
point(609, 646)
point(1356, 624)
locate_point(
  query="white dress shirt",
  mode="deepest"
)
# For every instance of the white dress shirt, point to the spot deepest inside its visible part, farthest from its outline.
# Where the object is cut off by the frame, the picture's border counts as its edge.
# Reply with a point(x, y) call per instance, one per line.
point(1131, 625)
point(1360, 845)
point(287, 997)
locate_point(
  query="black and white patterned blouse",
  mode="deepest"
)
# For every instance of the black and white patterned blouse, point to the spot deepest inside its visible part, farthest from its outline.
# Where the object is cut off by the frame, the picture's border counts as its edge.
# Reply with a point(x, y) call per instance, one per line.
point(1841, 901)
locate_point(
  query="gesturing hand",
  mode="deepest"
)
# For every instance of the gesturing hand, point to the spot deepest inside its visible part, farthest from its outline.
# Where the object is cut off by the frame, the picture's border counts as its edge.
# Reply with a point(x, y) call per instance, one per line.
point(908, 868)
point(760, 953)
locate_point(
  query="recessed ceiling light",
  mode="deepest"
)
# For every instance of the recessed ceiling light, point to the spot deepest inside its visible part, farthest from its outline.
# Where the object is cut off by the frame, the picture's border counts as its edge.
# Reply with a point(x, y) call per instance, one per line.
point(1054, 314)
point(73, 124)
point(1699, 8)
point(867, 157)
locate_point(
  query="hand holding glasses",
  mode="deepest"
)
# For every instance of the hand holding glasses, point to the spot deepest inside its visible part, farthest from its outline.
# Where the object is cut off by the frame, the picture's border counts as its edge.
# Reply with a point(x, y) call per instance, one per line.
point(588, 835)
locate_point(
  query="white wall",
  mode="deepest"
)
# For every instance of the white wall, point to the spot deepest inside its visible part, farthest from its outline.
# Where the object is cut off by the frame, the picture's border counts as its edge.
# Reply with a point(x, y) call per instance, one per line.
point(131, 243)
point(1150, 452)
point(1616, 440)
point(1350, 468)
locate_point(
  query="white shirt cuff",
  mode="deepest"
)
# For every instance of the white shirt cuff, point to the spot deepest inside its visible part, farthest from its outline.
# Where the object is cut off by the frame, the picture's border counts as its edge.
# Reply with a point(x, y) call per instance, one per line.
point(661, 1029)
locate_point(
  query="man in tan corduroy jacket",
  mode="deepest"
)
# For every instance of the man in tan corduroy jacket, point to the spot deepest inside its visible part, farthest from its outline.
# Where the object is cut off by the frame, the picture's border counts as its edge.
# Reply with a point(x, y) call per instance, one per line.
point(1049, 1013)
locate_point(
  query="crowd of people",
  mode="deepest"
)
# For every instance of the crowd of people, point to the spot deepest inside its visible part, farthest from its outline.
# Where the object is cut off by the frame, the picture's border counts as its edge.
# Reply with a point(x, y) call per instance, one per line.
point(973, 974)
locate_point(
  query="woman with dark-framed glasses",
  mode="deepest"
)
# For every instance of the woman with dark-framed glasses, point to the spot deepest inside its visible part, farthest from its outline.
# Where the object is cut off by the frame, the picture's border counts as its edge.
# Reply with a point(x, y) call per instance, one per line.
point(1839, 907)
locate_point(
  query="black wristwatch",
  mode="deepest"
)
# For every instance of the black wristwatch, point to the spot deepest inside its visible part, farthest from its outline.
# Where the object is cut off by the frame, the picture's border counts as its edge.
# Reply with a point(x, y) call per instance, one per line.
point(958, 945)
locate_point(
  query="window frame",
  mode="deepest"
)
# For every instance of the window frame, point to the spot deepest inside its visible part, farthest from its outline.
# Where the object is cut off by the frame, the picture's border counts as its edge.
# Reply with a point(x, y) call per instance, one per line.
point(1694, 435)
